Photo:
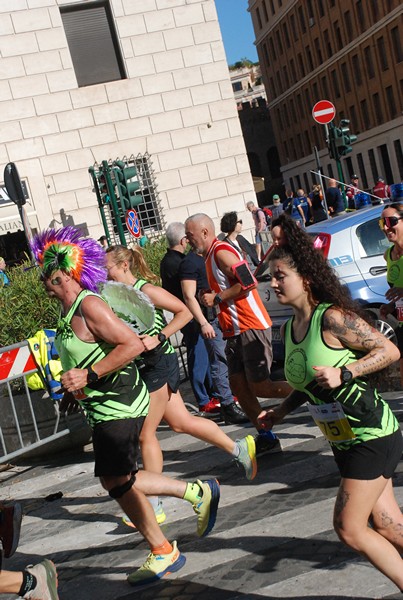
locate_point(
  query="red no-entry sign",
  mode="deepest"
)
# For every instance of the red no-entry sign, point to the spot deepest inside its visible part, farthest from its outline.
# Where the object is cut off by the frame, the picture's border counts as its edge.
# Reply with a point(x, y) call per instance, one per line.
point(323, 112)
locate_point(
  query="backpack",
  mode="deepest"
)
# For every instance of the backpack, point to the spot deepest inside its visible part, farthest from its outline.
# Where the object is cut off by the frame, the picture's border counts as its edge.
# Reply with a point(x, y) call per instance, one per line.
point(267, 215)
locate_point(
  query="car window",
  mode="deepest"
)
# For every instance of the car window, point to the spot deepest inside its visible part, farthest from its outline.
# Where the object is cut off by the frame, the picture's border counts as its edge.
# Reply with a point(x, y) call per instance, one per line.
point(372, 238)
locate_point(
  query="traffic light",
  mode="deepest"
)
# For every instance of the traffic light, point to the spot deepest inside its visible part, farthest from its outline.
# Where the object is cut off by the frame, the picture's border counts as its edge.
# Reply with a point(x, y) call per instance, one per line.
point(13, 184)
point(127, 183)
point(331, 143)
point(343, 138)
point(103, 189)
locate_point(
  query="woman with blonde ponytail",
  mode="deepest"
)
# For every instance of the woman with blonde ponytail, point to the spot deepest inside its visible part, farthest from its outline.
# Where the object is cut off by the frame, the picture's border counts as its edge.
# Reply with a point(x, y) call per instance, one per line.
point(159, 369)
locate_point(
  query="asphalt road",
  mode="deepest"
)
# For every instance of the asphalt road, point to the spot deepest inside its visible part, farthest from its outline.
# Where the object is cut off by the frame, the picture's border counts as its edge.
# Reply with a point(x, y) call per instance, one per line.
point(273, 537)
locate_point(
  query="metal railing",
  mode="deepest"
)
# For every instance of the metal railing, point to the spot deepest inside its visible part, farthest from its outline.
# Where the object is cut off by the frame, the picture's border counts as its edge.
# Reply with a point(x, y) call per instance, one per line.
point(28, 419)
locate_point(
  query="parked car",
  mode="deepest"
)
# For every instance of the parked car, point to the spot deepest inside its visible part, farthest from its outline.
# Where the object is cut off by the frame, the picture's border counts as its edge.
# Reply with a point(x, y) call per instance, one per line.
point(354, 245)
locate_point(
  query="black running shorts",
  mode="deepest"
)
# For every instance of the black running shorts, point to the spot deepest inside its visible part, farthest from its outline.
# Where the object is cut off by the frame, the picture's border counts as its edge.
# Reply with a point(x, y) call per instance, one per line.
point(116, 447)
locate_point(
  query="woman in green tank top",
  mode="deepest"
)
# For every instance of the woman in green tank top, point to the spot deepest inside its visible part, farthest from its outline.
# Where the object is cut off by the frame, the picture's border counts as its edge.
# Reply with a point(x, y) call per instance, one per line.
point(161, 374)
point(330, 351)
point(391, 223)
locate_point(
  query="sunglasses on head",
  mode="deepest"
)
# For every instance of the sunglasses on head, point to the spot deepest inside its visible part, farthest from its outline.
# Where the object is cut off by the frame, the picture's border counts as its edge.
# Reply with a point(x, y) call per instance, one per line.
point(240, 221)
point(389, 222)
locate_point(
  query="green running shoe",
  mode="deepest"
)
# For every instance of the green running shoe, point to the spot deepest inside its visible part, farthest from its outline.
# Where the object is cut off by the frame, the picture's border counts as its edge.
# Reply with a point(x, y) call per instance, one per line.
point(206, 507)
point(247, 456)
point(157, 566)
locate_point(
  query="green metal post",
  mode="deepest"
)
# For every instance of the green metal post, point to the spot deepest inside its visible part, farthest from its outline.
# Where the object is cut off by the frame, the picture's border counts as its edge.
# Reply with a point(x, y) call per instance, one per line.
point(100, 205)
point(114, 204)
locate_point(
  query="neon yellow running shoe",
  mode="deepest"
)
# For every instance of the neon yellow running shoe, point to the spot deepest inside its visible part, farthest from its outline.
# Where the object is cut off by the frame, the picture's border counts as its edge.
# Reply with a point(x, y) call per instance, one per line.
point(207, 506)
point(159, 515)
point(157, 566)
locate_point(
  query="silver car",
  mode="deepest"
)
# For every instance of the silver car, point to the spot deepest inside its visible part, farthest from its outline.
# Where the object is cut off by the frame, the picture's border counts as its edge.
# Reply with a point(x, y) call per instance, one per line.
point(354, 244)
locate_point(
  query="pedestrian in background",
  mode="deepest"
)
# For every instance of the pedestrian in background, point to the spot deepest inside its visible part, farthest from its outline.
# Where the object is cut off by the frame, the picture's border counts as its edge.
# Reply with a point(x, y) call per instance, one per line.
point(381, 190)
point(334, 199)
point(318, 210)
point(4, 280)
point(232, 227)
point(351, 192)
point(277, 207)
point(259, 219)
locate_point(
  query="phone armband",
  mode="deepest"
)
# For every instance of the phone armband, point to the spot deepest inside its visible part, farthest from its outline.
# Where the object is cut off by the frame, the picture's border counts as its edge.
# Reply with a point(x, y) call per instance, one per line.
point(243, 275)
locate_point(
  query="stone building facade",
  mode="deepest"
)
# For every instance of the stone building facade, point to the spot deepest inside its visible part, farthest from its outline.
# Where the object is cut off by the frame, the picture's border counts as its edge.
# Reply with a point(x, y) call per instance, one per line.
point(158, 83)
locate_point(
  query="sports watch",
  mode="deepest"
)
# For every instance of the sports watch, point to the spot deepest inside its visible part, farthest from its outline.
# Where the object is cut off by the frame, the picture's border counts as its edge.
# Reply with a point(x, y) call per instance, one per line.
point(217, 299)
point(92, 377)
point(346, 375)
point(161, 337)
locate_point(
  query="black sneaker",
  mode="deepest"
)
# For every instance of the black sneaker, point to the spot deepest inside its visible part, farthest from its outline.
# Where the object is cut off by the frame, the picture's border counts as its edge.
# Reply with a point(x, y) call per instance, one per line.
point(232, 414)
point(267, 445)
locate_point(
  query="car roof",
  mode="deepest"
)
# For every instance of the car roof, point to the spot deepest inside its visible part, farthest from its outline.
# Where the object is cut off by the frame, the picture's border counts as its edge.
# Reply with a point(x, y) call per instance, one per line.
point(356, 217)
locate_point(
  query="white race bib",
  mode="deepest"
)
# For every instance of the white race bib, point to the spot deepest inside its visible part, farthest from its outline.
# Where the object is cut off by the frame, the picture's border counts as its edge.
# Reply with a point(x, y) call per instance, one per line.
point(332, 421)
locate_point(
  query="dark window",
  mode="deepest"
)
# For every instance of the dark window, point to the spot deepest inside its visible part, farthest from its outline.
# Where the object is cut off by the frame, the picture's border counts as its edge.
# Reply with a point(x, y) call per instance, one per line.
point(279, 82)
point(320, 8)
point(294, 29)
point(237, 86)
point(293, 73)
point(300, 107)
point(272, 49)
point(339, 39)
point(332, 3)
point(308, 98)
point(362, 171)
point(272, 7)
point(366, 119)
point(397, 45)
point(383, 59)
point(309, 57)
point(307, 187)
point(266, 16)
point(335, 82)
point(318, 50)
point(301, 66)
point(368, 62)
point(292, 109)
point(346, 77)
point(330, 170)
point(353, 118)
point(348, 26)
point(286, 79)
point(259, 18)
point(386, 168)
point(372, 162)
point(302, 19)
point(298, 181)
point(287, 117)
point(273, 86)
point(315, 91)
point(325, 87)
point(93, 43)
point(356, 70)
point(278, 40)
point(374, 10)
point(399, 157)
point(286, 36)
point(390, 100)
point(377, 109)
point(360, 16)
point(266, 55)
point(328, 44)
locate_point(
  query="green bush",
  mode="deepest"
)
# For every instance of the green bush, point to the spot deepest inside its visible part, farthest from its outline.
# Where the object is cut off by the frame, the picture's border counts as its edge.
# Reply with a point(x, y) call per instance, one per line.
point(25, 307)
point(154, 252)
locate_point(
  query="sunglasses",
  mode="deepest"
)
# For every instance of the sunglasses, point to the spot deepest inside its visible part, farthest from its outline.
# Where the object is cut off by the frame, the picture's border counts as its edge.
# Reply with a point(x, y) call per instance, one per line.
point(240, 221)
point(389, 222)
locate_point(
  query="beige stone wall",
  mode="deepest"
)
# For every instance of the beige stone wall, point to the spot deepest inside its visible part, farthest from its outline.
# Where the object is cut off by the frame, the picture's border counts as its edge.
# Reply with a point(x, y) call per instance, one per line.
point(177, 104)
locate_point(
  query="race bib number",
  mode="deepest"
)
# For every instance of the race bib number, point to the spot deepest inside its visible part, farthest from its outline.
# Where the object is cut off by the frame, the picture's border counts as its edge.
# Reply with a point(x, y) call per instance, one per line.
point(332, 421)
point(399, 310)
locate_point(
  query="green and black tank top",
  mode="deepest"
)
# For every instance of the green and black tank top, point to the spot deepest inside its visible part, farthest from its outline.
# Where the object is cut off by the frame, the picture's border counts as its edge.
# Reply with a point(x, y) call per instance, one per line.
point(368, 415)
point(119, 395)
point(159, 324)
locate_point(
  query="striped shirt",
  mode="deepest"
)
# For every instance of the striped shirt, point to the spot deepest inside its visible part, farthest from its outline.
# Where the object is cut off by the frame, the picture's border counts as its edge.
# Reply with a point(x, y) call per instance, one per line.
point(240, 314)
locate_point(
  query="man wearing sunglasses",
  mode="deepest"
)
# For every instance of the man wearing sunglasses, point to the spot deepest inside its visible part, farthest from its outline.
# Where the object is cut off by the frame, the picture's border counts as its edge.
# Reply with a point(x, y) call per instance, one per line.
point(391, 224)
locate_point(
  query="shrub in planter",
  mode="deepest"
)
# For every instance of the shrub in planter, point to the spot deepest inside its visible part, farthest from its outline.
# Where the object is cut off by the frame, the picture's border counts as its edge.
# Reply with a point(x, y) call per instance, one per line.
point(25, 307)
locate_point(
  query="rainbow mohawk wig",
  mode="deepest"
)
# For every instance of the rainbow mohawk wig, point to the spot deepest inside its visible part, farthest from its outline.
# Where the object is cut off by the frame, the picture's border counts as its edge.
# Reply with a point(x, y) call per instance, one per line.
point(68, 250)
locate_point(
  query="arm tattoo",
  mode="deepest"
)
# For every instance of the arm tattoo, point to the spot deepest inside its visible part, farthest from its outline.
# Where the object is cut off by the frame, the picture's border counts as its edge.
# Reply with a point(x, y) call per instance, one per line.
point(353, 332)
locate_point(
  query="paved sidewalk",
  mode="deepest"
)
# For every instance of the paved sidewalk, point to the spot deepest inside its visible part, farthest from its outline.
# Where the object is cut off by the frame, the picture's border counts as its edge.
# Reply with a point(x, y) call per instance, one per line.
point(273, 537)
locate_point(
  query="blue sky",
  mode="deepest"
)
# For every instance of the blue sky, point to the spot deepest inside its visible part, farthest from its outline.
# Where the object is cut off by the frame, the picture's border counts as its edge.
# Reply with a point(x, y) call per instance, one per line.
point(237, 30)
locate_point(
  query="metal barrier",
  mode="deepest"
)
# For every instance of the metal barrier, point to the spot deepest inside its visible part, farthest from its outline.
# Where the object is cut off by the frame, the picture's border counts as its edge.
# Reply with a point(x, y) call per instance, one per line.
point(29, 419)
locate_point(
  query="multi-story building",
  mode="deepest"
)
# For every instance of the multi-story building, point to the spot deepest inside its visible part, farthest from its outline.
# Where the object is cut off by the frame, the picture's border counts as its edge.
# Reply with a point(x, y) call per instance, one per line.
point(349, 52)
point(86, 81)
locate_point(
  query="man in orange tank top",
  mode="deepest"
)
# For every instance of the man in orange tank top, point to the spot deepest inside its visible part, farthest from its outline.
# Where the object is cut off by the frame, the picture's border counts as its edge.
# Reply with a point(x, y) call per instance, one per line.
point(245, 324)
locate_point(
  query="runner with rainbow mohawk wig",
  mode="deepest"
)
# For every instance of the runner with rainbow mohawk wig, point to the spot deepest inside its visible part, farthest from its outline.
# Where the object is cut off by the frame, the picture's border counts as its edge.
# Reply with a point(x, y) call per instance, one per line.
point(67, 250)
